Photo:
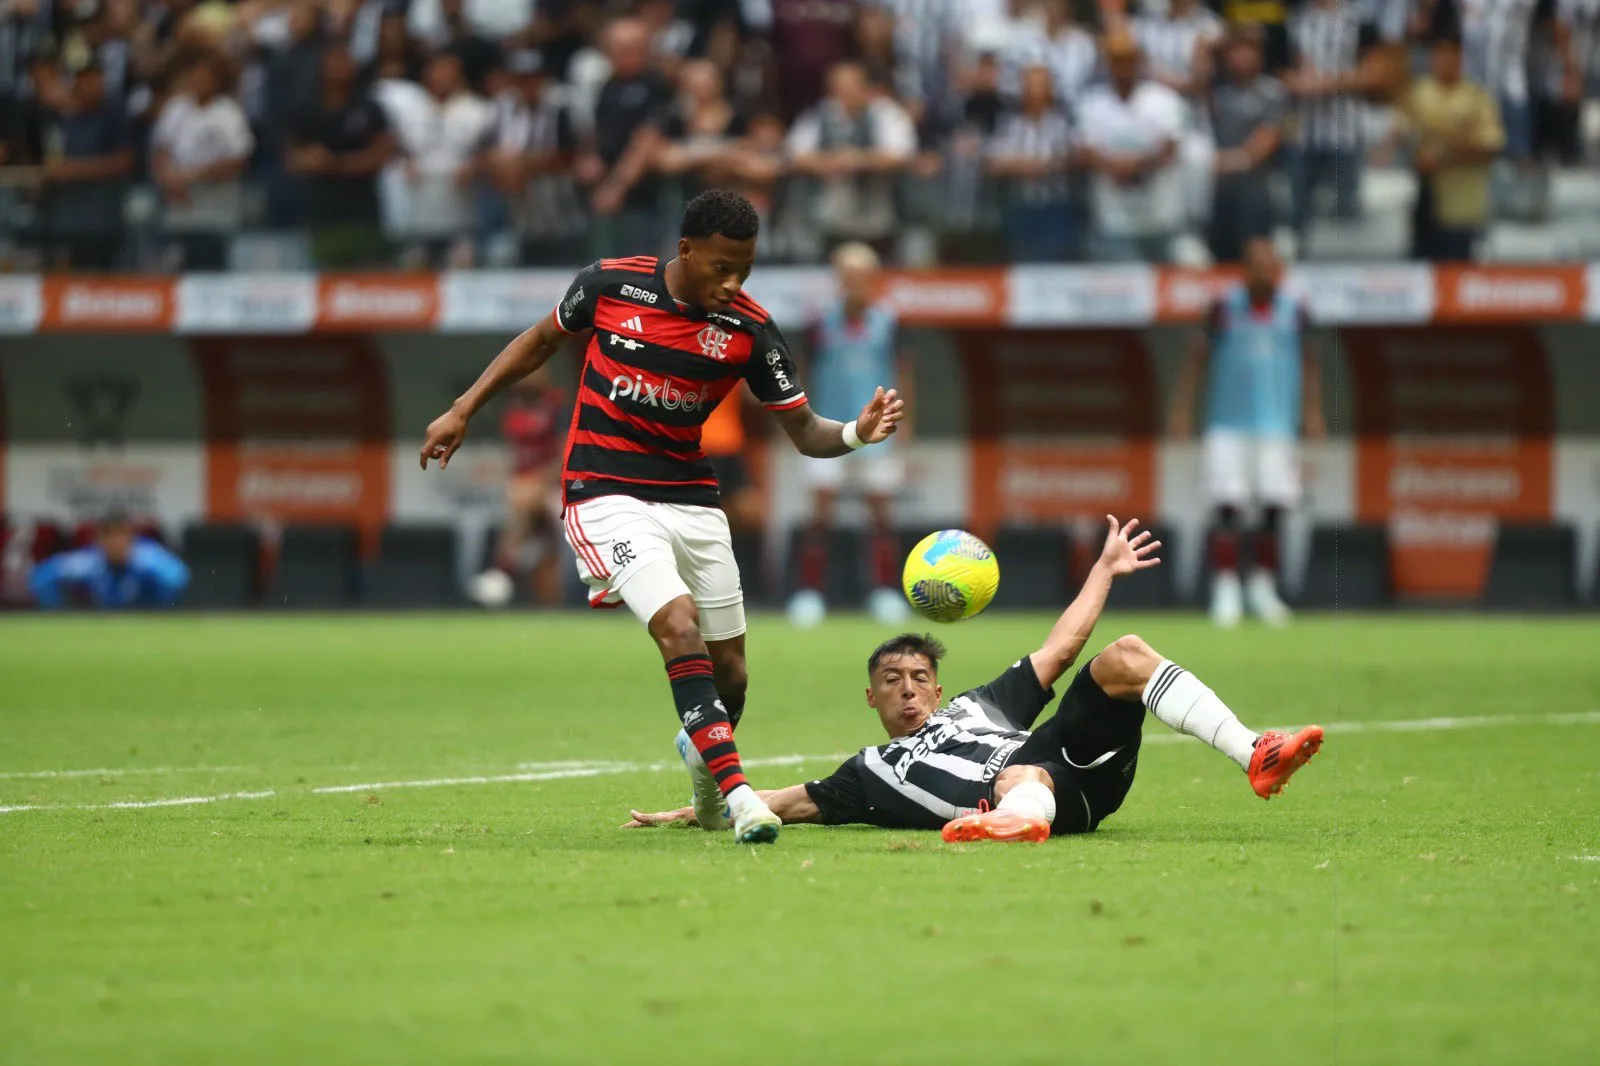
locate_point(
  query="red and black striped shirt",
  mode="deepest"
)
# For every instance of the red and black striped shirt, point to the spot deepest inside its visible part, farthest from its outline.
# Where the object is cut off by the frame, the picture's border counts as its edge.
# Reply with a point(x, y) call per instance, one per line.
point(653, 371)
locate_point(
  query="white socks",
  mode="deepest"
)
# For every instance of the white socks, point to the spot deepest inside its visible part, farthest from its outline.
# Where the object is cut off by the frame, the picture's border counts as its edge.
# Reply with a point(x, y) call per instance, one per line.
point(1179, 699)
point(1031, 798)
point(741, 797)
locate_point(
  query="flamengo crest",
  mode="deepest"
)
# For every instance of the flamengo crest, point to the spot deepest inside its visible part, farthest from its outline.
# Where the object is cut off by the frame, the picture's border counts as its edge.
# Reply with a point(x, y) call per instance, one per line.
point(714, 342)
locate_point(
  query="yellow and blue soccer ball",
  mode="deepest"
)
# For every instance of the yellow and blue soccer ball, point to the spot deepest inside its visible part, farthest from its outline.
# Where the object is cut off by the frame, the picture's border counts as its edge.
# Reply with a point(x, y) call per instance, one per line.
point(950, 575)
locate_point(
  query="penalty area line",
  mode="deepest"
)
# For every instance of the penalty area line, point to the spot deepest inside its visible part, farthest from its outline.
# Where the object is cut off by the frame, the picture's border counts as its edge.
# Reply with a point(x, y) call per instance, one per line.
point(558, 771)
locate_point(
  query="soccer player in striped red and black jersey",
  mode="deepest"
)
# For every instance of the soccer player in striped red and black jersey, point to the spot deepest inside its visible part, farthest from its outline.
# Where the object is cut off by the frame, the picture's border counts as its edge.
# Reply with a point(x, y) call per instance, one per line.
point(667, 341)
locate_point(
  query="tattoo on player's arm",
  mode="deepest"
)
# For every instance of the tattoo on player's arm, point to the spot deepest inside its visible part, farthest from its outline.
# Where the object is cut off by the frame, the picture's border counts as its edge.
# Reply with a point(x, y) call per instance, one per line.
point(813, 435)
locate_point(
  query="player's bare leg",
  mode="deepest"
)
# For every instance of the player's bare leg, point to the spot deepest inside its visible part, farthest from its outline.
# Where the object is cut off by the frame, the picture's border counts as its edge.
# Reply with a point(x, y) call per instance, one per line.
point(1025, 807)
point(706, 740)
point(1129, 669)
point(808, 607)
point(886, 602)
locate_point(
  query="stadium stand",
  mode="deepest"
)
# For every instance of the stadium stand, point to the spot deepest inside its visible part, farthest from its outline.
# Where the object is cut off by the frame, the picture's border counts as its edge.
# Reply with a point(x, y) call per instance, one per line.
point(224, 563)
point(415, 567)
point(1033, 566)
point(318, 566)
point(1348, 567)
point(1533, 566)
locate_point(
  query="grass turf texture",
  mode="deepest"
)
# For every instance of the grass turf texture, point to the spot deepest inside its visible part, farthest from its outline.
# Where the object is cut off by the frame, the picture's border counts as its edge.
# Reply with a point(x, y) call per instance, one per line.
point(1414, 898)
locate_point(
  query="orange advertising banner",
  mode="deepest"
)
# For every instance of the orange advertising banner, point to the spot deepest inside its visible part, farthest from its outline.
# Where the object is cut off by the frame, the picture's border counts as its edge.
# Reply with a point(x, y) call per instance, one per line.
point(384, 303)
point(1454, 435)
point(1063, 425)
point(108, 304)
point(297, 429)
point(1513, 294)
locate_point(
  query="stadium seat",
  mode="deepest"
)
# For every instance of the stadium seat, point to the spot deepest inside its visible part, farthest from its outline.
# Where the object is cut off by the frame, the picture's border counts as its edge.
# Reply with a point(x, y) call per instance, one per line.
point(416, 567)
point(317, 567)
point(846, 584)
point(224, 565)
point(1348, 568)
point(1033, 567)
point(1534, 566)
point(1147, 589)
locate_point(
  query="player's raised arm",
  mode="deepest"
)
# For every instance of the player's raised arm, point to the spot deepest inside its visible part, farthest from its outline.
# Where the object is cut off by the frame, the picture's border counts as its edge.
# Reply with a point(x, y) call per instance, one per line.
point(823, 438)
point(1125, 551)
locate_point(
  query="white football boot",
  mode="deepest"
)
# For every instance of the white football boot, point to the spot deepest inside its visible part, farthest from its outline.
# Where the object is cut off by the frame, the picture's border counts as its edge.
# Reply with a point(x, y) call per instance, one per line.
point(1262, 592)
point(754, 822)
point(1227, 599)
point(710, 808)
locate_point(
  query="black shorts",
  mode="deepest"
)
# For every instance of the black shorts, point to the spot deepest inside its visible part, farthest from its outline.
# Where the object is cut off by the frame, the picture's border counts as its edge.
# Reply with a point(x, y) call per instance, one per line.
point(1088, 727)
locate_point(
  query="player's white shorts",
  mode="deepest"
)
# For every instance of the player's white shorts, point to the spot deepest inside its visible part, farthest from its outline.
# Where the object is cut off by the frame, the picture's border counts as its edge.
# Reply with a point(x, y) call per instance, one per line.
point(1242, 469)
point(874, 470)
point(648, 554)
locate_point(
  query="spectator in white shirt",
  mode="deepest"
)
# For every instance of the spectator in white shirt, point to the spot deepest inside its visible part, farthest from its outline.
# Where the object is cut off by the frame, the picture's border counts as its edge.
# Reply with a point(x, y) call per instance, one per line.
point(1129, 134)
point(441, 131)
point(855, 143)
point(200, 146)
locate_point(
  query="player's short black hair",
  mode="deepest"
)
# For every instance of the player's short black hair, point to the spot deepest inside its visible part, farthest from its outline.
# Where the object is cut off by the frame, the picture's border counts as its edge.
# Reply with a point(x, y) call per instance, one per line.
point(926, 645)
point(720, 211)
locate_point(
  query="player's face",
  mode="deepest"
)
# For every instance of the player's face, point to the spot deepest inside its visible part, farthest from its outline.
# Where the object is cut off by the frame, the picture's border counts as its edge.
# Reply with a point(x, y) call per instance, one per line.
point(117, 542)
point(1260, 264)
point(905, 691)
point(715, 268)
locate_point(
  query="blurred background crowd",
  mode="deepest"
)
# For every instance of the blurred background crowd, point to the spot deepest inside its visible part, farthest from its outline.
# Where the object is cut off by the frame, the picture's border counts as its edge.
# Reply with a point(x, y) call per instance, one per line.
point(203, 135)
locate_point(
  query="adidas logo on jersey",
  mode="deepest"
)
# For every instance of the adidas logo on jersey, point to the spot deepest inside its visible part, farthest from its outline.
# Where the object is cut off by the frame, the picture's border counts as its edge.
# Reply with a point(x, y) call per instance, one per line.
point(636, 324)
point(657, 394)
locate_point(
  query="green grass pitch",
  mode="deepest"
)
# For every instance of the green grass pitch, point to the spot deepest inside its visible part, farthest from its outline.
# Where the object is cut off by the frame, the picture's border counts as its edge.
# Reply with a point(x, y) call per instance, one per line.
point(1420, 895)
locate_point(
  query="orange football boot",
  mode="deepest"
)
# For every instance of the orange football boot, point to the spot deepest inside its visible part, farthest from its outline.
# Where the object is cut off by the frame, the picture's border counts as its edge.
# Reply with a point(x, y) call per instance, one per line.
point(996, 825)
point(1279, 755)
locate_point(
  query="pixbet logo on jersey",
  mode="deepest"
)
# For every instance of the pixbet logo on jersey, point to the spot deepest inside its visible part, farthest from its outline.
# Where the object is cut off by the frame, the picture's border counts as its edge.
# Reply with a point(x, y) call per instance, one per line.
point(657, 393)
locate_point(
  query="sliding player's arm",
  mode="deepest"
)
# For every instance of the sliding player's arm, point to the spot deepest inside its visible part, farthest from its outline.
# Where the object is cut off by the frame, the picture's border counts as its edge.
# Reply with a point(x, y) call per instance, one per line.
point(529, 351)
point(775, 381)
point(1125, 552)
point(792, 804)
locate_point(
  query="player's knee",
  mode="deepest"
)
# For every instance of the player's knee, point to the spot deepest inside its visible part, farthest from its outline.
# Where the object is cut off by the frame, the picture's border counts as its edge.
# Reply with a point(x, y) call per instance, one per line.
point(676, 628)
point(1012, 776)
point(1125, 663)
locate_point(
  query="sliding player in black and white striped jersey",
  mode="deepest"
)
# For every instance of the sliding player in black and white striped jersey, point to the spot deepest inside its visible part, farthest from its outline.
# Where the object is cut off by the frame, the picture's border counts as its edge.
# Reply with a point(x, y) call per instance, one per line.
point(979, 769)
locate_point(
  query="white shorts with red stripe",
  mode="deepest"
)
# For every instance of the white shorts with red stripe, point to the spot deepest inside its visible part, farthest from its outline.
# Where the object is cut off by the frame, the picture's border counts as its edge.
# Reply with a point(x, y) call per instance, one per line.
point(646, 555)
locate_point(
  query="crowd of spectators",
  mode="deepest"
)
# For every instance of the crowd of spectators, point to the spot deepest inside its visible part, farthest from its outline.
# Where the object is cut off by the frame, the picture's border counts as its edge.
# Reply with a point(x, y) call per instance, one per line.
point(152, 134)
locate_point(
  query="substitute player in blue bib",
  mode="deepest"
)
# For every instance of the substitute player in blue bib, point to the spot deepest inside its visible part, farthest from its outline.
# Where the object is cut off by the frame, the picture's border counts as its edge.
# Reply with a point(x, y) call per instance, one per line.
point(855, 343)
point(1263, 393)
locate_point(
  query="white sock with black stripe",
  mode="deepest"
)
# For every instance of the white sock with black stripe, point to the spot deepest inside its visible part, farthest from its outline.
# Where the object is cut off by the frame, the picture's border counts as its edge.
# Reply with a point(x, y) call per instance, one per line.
point(1181, 700)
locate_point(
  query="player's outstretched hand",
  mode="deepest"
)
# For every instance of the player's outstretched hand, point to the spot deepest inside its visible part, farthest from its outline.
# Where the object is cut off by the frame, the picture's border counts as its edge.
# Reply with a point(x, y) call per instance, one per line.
point(445, 435)
point(645, 819)
point(881, 417)
point(1126, 551)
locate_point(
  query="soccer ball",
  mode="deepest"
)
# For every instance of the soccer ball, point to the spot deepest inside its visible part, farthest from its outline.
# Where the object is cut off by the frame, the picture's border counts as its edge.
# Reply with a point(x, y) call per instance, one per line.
point(950, 575)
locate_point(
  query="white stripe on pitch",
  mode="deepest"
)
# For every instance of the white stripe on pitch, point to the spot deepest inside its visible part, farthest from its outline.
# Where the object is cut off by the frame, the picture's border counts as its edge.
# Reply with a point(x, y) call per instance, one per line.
point(580, 769)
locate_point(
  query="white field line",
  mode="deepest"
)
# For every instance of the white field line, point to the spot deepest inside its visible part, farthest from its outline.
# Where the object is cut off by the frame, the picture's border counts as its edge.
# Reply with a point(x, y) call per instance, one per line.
point(148, 771)
point(576, 768)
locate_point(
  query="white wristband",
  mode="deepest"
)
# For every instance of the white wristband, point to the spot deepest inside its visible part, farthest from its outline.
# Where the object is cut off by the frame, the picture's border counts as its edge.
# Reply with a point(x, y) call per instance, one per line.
point(852, 439)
